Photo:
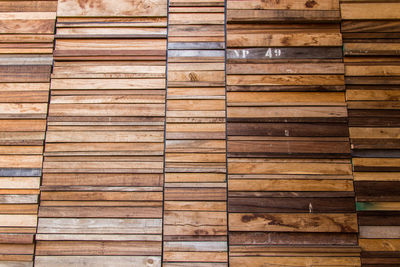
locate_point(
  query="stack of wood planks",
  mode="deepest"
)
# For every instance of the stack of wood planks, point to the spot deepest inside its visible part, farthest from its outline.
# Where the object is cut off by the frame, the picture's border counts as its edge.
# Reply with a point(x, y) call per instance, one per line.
point(101, 194)
point(26, 47)
point(372, 49)
point(291, 199)
point(195, 218)
point(199, 133)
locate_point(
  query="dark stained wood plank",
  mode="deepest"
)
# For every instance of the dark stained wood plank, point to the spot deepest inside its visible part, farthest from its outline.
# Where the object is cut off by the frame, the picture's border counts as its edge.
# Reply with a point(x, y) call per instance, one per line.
point(304, 222)
point(315, 205)
point(298, 239)
point(287, 129)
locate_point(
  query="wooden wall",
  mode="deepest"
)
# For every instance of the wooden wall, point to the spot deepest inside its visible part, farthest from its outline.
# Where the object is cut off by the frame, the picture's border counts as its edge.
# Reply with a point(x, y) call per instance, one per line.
point(26, 48)
point(199, 133)
point(291, 197)
point(102, 193)
point(195, 219)
point(371, 47)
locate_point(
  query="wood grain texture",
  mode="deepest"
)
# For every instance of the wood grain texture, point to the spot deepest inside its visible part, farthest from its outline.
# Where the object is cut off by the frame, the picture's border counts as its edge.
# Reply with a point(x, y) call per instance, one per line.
point(26, 48)
point(282, 261)
point(296, 5)
point(47, 248)
point(293, 39)
point(372, 86)
point(293, 222)
point(106, 8)
point(286, 103)
point(103, 164)
point(97, 260)
point(256, 157)
point(357, 11)
point(195, 159)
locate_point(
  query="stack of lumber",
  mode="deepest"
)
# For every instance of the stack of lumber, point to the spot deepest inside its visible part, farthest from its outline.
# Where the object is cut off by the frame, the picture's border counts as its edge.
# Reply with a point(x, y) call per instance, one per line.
point(101, 194)
point(371, 46)
point(291, 199)
point(168, 133)
point(26, 42)
point(195, 219)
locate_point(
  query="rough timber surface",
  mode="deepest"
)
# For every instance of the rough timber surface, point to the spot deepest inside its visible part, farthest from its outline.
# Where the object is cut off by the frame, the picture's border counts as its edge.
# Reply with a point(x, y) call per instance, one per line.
point(288, 141)
point(26, 48)
point(370, 36)
point(195, 217)
point(199, 133)
point(102, 188)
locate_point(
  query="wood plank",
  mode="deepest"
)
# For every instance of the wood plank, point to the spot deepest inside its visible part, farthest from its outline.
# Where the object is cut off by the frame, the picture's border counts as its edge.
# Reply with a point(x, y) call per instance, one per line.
point(94, 212)
point(285, 80)
point(377, 95)
point(107, 8)
point(196, 18)
point(286, 129)
point(77, 179)
point(17, 161)
point(16, 238)
point(380, 244)
point(272, 53)
point(27, 26)
point(293, 222)
point(290, 185)
point(123, 261)
point(381, 232)
point(28, 6)
point(97, 237)
point(106, 110)
point(288, 168)
point(99, 226)
point(194, 177)
point(21, 183)
point(198, 256)
point(60, 195)
point(284, 261)
point(193, 194)
point(282, 15)
point(22, 125)
point(282, 98)
point(18, 208)
point(377, 70)
point(358, 11)
point(18, 220)
point(16, 249)
point(315, 205)
point(194, 206)
point(286, 68)
point(93, 136)
point(291, 238)
point(94, 84)
point(285, 5)
point(100, 248)
point(286, 112)
point(276, 39)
